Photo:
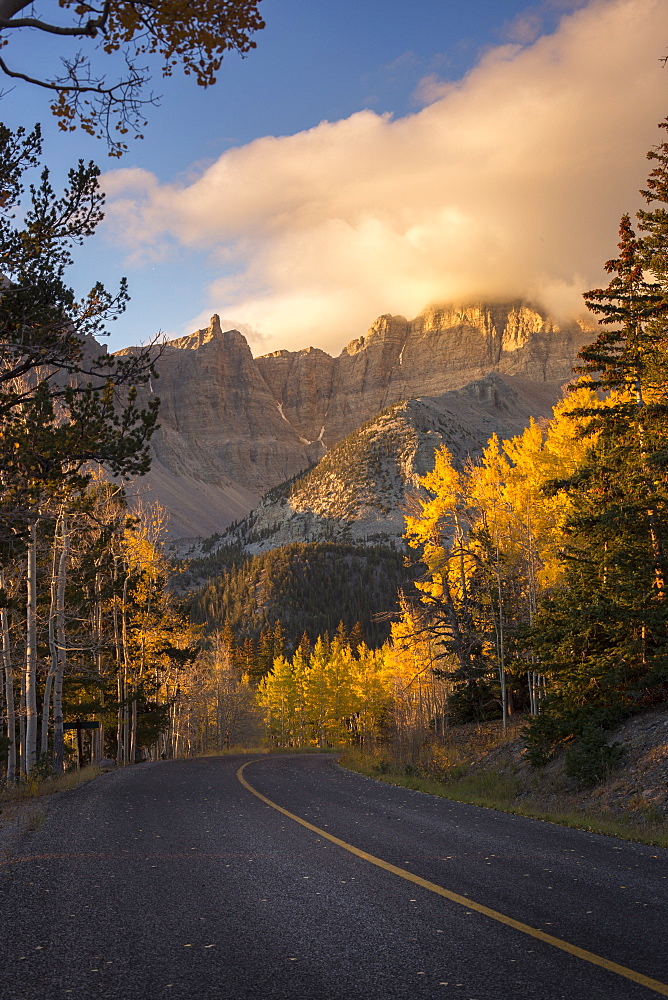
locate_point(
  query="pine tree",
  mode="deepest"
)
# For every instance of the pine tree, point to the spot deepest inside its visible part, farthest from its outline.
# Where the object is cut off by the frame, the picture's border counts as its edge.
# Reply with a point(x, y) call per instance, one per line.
point(602, 635)
point(61, 406)
point(654, 223)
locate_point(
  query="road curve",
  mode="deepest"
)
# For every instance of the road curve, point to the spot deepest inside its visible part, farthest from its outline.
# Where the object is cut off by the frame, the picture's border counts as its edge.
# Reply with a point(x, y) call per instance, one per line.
point(174, 880)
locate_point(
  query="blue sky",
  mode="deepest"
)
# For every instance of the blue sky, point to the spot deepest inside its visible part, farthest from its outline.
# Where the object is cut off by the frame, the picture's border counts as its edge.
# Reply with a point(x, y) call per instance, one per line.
point(320, 62)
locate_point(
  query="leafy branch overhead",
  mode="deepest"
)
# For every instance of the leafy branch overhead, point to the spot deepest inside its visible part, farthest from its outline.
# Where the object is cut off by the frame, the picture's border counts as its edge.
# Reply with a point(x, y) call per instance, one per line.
point(111, 103)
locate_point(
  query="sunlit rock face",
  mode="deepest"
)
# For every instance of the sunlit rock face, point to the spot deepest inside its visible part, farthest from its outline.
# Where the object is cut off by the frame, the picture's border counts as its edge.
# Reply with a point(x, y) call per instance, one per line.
point(359, 491)
point(222, 439)
point(233, 426)
point(441, 349)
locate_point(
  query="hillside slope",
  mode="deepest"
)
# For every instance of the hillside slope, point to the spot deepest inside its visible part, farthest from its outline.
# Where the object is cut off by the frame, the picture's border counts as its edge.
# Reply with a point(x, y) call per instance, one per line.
point(481, 764)
point(308, 588)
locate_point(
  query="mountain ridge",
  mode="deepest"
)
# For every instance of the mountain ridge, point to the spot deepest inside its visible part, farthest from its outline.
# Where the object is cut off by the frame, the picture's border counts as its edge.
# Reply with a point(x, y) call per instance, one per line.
point(233, 426)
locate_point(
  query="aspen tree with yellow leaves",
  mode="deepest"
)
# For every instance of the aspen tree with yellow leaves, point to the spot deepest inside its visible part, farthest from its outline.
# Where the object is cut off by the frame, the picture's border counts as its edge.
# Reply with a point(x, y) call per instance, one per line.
point(109, 639)
point(333, 695)
point(215, 707)
point(418, 680)
point(490, 536)
point(154, 638)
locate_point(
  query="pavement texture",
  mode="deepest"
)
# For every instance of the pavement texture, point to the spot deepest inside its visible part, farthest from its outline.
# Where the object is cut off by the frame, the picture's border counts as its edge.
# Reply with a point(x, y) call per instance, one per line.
point(171, 880)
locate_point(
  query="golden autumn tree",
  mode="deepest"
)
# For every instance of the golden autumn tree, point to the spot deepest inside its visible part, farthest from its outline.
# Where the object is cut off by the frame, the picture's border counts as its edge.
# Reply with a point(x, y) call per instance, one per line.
point(334, 694)
point(490, 535)
point(415, 668)
point(441, 529)
point(154, 637)
point(278, 694)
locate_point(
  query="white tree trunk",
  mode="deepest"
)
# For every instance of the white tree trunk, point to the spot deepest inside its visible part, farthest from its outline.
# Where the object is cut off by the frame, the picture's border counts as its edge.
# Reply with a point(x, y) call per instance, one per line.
point(22, 723)
point(46, 704)
point(98, 735)
point(126, 674)
point(31, 655)
point(119, 683)
point(61, 651)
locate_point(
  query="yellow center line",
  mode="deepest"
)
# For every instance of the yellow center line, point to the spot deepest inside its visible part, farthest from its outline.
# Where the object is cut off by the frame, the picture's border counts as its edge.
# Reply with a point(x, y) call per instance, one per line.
point(470, 904)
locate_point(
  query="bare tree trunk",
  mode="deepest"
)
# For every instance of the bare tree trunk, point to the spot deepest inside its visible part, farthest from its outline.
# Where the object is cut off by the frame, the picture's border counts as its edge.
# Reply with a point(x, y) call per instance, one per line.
point(98, 735)
point(46, 704)
point(532, 697)
point(500, 628)
point(31, 655)
point(22, 724)
point(502, 654)
point(46, 707)
point(133, 732)
point(126, 671)
point(177, 726)
point(652, 520)
point(119, 684)
point(119, 728)
point(61, 652)
point(126, 718)
point(9, 691)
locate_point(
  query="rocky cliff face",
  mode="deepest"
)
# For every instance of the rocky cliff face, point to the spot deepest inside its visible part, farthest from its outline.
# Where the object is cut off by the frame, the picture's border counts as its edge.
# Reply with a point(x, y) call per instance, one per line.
point(233, 426)
point(358, 491)
point(222, 440)
point(445, 348)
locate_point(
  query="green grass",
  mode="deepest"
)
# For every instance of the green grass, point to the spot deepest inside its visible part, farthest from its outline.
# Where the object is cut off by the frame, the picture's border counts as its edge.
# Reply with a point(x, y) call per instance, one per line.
point(504, 792)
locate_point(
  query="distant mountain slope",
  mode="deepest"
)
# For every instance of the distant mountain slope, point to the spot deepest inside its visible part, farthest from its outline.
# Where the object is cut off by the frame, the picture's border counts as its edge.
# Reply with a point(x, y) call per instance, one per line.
point(233, 426)
point(308, 588)
point(357, 492)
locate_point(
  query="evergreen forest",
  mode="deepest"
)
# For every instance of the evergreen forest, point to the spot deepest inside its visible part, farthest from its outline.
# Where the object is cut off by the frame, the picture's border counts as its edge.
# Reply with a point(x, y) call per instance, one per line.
point(310, 589)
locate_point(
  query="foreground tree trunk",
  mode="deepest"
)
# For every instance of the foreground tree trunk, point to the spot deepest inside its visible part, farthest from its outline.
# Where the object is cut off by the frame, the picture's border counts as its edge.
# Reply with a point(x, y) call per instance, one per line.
point(46, 704)
point(61, 651)
point(125, 725)
point(9, 690)
point(31, 656)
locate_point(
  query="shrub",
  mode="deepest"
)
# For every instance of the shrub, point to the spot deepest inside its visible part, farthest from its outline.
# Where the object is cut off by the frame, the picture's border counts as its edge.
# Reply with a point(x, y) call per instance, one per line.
point(592, 759)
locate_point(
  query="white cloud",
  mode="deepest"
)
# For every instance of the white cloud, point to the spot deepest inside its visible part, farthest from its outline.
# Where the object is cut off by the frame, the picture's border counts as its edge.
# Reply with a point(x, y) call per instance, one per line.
point(511, 182)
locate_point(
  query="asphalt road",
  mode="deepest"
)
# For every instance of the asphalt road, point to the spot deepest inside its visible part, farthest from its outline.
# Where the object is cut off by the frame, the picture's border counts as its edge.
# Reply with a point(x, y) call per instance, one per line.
point(172, 880)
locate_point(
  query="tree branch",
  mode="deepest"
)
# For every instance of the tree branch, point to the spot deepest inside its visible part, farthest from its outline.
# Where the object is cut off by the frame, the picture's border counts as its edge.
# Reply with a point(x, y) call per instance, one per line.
point(76, 87)
point(10, 7)
point(90, 28)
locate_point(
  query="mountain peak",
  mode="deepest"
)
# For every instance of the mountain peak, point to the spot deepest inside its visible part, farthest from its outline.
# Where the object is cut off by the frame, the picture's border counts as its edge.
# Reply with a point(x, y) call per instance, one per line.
point(233, 426)
point(213, 333)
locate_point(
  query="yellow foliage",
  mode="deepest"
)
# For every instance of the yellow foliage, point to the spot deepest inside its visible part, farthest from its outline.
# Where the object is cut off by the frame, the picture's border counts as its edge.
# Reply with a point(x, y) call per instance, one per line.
point(502, 503)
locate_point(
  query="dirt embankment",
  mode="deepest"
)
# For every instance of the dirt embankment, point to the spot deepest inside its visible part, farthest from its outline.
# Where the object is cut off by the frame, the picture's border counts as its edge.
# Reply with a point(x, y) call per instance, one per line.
point(638, 784)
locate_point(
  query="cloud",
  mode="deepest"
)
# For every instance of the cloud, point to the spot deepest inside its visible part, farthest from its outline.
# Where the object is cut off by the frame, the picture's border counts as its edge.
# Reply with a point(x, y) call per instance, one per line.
point(431, 88)
point(524, 28)
point(510, 182)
